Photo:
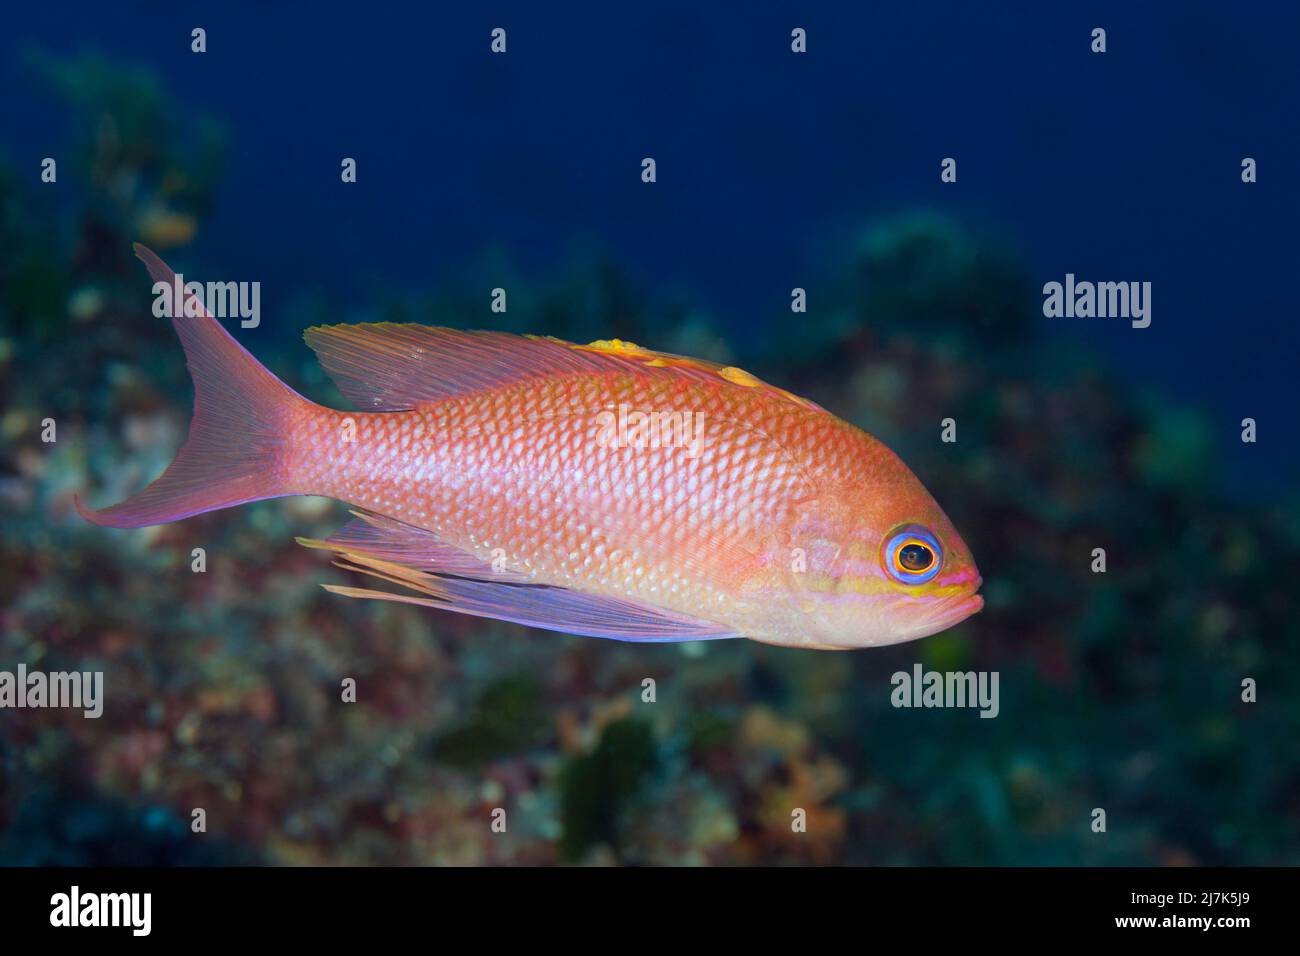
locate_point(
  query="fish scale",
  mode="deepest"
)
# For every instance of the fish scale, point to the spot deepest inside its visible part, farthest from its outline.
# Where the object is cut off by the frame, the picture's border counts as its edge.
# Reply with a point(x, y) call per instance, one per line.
point(536, 483)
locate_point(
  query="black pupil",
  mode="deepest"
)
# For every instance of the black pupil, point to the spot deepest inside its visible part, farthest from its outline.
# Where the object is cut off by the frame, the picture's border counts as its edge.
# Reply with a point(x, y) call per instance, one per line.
point(916, 557)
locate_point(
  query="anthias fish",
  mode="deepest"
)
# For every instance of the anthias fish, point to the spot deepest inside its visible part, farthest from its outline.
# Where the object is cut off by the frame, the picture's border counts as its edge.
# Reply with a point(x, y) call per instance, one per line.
point(603, 489)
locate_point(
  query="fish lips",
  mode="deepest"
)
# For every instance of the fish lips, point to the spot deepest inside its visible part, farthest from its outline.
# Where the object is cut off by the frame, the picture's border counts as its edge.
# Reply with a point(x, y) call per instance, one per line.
point(941, 614)
point(955, 609)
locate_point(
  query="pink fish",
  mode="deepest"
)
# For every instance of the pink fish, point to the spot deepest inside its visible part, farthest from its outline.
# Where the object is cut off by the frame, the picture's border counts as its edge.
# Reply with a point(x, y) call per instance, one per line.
point(600, 489)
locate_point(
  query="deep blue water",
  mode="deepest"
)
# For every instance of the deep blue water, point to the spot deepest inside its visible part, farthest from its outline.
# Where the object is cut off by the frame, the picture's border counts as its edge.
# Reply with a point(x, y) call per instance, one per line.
point(1123, 166)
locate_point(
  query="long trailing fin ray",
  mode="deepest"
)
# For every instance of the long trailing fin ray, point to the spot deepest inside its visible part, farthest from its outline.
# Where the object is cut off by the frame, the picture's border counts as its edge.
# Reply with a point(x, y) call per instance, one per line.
point(534, 605)
point(389, 539)
point(234, 450)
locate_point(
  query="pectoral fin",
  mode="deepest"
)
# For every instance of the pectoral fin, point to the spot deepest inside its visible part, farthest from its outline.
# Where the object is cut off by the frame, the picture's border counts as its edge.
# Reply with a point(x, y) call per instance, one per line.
point(392, 540)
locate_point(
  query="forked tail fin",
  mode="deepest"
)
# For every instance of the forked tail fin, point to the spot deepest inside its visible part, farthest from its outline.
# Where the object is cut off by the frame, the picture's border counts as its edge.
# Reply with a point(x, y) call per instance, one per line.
point(234, 453)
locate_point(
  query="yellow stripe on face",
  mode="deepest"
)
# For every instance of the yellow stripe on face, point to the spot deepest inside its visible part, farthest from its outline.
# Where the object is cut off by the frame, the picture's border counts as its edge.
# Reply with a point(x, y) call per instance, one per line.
point(821, 583)
point(871, 585)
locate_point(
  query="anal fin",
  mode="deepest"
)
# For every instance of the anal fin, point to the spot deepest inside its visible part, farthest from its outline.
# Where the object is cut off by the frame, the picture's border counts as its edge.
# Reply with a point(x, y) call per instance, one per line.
point(535, 605)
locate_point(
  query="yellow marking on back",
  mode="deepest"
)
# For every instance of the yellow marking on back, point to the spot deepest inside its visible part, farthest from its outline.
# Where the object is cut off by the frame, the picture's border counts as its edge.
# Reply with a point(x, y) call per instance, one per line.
point(652, 359)
point(615, 347)
point(738, 376)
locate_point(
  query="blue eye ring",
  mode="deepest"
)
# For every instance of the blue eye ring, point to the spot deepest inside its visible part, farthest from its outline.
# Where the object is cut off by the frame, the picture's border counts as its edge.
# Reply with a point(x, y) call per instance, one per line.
point(912, 555)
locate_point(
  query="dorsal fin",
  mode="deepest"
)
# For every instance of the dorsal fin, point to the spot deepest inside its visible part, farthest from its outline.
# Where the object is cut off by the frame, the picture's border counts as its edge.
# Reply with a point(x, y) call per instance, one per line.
point(387, 366)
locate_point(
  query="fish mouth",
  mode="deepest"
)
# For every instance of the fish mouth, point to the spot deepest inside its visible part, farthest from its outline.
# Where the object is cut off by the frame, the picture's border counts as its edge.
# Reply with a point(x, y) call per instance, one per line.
point(960, 609)
point(955, 609)
point(939, 616)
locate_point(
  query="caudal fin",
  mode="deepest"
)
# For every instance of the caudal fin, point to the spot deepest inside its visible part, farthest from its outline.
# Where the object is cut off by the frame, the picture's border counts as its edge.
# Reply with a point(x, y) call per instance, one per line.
point(234, 453)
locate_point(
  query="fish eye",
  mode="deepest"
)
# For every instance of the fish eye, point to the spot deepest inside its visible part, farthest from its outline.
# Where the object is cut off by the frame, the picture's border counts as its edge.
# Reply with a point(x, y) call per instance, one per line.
point(912, 555)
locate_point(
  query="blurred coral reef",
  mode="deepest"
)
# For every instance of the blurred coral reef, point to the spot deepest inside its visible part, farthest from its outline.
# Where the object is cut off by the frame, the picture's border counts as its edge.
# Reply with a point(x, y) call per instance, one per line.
point(1119, 691)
